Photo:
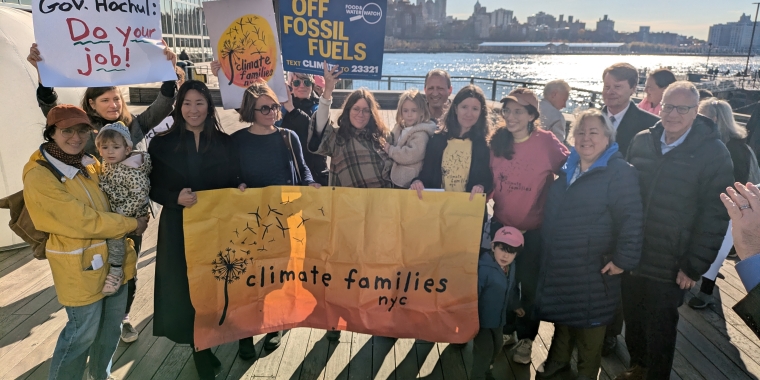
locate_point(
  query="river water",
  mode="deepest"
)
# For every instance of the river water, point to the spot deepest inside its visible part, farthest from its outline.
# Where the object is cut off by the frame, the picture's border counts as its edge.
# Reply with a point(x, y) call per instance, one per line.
point(580, 71)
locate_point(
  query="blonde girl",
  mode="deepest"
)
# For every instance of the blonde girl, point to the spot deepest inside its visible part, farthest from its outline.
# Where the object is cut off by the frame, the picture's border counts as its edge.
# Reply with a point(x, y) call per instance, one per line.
point(412, 132)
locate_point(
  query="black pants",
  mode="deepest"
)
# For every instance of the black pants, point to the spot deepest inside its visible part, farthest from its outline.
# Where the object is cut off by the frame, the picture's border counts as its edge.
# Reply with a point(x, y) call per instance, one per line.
point(527, 264)
point(487, 346)
point(132, 284)
point(707, 286)
point(651, 318)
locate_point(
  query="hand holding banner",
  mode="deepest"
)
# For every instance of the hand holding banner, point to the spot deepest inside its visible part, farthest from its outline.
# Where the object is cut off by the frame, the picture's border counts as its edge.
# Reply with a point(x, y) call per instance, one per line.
point(348, 33)
point(91, 43)
point(375, 261)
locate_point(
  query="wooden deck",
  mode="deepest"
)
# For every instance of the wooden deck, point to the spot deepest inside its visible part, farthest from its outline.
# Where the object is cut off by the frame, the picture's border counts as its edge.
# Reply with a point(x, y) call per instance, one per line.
point(712, 344)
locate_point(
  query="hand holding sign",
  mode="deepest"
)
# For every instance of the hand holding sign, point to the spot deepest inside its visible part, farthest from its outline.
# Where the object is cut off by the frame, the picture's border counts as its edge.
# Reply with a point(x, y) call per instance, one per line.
point(331, 79)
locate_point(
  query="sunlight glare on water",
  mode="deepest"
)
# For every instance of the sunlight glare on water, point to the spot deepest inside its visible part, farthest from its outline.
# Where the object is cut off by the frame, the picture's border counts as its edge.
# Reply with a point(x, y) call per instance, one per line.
point(580, 71)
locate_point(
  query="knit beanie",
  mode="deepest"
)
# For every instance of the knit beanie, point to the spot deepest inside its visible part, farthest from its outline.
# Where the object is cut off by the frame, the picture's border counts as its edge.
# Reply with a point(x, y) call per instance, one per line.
point(121, 129)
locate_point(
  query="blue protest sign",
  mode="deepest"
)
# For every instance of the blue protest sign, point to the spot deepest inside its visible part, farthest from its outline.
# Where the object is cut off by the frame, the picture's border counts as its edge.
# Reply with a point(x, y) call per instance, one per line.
point(348, 33)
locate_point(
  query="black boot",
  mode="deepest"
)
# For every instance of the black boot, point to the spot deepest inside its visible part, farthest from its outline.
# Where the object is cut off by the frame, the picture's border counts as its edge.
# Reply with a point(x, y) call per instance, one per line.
point(272, 340)
point(247, 350)
point(207, 364)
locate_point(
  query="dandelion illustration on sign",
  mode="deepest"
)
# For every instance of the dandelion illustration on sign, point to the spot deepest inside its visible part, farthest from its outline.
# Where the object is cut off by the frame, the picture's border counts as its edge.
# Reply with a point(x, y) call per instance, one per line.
point(245, 43)
point(228, 268)
point(246, 51)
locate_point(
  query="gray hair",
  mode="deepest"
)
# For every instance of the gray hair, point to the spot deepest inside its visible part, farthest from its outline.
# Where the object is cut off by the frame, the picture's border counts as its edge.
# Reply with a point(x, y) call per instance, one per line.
point(292, 75)
point(721, 112)
point(556, 85)
point(589, 114)
point(682, 85)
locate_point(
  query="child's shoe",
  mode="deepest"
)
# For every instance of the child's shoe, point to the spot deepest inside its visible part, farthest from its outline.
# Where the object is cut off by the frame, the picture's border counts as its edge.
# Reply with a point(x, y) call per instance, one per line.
point(113, 283)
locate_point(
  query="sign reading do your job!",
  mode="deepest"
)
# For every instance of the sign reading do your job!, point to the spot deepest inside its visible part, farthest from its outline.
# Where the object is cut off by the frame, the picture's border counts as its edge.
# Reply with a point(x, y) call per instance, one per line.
point(100, 42)
point(348, 33)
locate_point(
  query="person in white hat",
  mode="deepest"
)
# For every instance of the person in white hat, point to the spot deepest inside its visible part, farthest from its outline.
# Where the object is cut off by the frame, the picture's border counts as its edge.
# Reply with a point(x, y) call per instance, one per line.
point(124, 179)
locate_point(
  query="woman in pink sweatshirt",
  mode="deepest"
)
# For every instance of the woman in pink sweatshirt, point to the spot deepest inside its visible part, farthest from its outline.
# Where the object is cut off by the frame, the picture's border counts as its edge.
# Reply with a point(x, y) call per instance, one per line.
point(524, 161)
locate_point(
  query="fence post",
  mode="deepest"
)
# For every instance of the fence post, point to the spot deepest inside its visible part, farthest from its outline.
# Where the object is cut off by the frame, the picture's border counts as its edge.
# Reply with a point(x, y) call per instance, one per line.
point(493, 91)
point(389, 83)
point(591, 104)
point(472, 80)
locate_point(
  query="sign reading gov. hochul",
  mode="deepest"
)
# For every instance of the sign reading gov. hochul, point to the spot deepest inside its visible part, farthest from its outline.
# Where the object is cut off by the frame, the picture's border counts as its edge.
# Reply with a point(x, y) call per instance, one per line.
point(348, 33)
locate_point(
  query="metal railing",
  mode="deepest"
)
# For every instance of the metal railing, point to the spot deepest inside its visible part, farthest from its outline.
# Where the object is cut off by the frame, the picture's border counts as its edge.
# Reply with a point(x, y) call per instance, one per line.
point(495, 88)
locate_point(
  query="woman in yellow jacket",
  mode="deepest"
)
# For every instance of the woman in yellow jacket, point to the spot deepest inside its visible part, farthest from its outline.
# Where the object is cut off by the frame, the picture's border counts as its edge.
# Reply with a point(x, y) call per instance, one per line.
point(72, 209)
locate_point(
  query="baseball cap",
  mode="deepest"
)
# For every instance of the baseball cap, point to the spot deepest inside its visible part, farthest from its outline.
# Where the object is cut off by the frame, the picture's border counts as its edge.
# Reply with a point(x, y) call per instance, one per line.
point(510, 236)
point(523, 97)
point(66, 116)
point(319, 80)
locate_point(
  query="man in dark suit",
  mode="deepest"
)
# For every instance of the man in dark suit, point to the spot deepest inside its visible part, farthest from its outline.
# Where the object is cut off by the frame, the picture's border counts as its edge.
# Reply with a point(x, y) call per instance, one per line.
point(743, 205)
point(627, 119)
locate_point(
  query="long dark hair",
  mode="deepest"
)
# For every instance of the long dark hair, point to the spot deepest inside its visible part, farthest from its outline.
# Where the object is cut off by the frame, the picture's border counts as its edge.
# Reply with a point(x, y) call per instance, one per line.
point(502, 142)
point(375, 127)
point(481, 128)
point(93, 93)
point(211, 126)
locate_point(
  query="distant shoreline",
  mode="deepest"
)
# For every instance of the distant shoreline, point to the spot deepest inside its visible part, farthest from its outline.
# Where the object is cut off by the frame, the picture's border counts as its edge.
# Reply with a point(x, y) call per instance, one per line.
point(395, 51)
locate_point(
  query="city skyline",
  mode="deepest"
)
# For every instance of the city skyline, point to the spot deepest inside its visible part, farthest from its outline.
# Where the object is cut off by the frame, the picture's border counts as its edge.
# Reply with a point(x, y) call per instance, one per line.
point(690, 18)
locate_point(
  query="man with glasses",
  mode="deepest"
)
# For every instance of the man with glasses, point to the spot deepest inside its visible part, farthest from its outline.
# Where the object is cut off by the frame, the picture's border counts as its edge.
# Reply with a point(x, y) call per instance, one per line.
point(683, 168)
point(296, 116)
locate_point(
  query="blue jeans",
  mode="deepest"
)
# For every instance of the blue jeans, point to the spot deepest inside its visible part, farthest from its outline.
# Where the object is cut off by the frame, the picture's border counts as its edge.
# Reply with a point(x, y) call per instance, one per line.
point(92, 330)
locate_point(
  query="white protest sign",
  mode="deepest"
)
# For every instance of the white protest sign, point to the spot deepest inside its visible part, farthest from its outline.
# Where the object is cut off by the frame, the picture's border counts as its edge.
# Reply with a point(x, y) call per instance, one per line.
point(163, 126)
point(244, 39)
point(91, 43)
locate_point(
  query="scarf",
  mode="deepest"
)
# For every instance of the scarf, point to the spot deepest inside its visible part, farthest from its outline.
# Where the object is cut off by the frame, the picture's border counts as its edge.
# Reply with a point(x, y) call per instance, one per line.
point(74, 160)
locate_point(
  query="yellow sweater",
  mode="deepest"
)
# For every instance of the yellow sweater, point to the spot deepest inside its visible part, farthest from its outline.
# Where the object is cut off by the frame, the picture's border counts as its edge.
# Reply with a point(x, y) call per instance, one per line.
point(77, 216)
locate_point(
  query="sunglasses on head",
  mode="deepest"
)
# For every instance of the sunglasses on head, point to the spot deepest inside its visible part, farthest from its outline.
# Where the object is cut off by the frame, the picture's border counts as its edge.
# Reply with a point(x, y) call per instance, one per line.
point(306, 82)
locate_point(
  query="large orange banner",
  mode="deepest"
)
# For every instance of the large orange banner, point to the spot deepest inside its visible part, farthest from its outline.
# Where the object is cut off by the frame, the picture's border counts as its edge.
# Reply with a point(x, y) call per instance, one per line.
point(375, 261)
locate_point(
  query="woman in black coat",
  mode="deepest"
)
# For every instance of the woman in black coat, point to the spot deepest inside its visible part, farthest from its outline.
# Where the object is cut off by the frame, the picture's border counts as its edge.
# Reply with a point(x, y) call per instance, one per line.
point(193, 155)
point(592, 232)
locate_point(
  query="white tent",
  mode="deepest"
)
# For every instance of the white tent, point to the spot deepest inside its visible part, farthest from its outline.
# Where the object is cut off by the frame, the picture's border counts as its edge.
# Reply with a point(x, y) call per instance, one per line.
point(21, 121)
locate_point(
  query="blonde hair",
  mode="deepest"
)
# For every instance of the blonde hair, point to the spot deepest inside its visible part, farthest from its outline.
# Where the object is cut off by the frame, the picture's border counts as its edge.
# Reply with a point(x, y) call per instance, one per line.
point(590, 114)
point(720, 111)
point(109, 135)
point(418, 99)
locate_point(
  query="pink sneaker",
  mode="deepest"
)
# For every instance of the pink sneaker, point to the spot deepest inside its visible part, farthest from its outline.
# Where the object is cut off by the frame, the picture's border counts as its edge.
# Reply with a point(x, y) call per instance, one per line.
point(112, 285)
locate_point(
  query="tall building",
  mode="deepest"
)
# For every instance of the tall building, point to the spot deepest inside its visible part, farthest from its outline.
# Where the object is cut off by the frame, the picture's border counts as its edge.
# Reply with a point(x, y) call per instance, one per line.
point(644, 33)
point(605, 29)
point(183, 26)
point(501, 18)
point(734, 36)
point(542, 18)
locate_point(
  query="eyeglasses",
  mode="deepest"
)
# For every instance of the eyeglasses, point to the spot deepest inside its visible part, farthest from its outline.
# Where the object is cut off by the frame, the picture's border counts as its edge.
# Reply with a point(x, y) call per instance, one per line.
point(265, 110)
point(306, 82)
point(511, 249)
point(364, 111)
point(69, 132)
point(506, 112)
point(682, 110)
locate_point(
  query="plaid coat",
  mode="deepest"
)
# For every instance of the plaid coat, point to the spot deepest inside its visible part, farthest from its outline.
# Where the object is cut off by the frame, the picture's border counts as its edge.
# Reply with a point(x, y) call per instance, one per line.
point(357, 162)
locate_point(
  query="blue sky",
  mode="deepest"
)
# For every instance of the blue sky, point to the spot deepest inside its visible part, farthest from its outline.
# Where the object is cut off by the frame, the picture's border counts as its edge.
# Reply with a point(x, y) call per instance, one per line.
point(692, 18)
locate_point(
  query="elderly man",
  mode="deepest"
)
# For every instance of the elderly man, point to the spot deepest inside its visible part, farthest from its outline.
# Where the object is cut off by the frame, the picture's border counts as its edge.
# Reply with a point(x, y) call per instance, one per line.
point(683, 168)
point(627, 119)
point(437, 92)
point(555, 98)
